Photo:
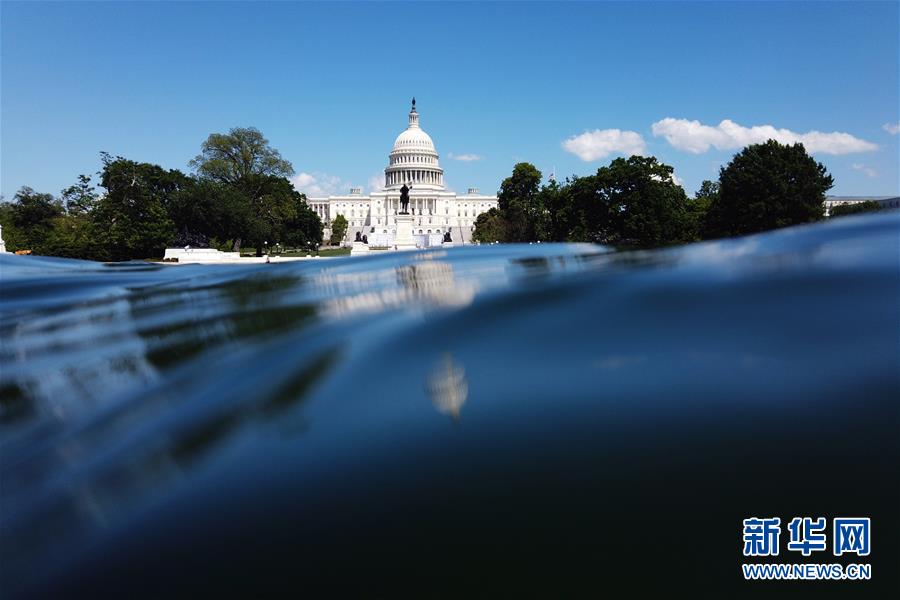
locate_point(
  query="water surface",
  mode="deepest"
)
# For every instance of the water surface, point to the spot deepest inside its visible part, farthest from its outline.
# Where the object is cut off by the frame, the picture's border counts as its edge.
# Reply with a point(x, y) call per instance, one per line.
point(534, 420)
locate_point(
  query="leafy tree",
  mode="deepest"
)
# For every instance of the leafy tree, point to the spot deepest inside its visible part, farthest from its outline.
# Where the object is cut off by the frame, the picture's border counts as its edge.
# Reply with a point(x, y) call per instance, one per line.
point(632, 203)
point(31, 216)
point(768, 186)
point(238, 155)
point(258, 201)
point(698, 207)
point(519, 201)
point(522, 186)
point(73, 235)
point(490, 227)
point(207, 209)
point(556, 202)
point(133, 214)
point(274, 210)
point(588, 215)
point(305, 229)
point(338, 229)
point(649, 208)
point(14, 239)
point(856, 208)
point(80, 198)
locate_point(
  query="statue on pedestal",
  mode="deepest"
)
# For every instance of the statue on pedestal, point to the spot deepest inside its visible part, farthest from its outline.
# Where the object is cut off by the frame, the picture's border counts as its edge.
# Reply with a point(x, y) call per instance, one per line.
point(447, 237)
point(404, 199)
point(358, 237)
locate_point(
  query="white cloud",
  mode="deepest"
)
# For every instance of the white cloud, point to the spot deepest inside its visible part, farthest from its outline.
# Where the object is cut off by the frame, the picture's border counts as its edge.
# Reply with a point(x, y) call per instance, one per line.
point(592, 145)
point(317, 184)
point(695, 137)
point(892, 128)
point(675, 179)
point(867, 170)
point(376, 182)
point(464, 157)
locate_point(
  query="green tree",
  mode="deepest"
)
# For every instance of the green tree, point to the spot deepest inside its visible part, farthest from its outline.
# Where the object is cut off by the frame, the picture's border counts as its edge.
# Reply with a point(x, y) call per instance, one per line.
point(557, 204)
point(32, 216)
point(80, 198)
point(519, 201)
point(587, 215)
point(632, 203)
point(856, 208)
point(74, 234)
point(649, 208)
point(490, 227)
point(13, 238)
point(243, 161)
point(206, 209)
point(768, 186)
point(698, 207)
point(276, 210)
point(305, 229)
point(133, 215)
point(236, 156)
point(338, 229)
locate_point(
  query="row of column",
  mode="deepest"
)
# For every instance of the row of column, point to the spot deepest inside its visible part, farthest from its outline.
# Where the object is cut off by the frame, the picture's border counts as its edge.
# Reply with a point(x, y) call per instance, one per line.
point(408, 159)
point(416, 176)
point(417, 206)
point(321, 210)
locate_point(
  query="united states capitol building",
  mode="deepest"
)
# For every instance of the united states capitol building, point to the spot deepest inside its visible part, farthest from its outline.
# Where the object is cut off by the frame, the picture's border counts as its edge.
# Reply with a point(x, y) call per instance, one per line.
point(435, 209)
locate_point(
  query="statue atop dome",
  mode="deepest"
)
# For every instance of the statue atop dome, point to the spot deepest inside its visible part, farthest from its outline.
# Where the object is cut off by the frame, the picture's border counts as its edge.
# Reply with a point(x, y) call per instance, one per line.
point(414, 103)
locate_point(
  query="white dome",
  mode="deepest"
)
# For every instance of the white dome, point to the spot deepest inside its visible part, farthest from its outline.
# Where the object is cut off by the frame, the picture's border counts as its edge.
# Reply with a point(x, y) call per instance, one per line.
point(414, 159)
point(414, 138)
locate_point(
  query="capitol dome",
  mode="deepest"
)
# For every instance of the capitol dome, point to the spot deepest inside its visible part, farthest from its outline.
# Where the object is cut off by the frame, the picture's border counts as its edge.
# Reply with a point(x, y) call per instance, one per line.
point(414, 138)
point(414, 159)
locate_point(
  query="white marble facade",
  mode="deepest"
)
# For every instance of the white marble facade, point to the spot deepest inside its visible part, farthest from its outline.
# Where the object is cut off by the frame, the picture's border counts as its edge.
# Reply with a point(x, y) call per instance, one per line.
point(435, 210)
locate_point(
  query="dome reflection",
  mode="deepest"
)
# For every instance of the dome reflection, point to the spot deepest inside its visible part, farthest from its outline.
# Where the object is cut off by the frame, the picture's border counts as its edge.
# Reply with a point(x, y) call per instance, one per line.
point(448, 387)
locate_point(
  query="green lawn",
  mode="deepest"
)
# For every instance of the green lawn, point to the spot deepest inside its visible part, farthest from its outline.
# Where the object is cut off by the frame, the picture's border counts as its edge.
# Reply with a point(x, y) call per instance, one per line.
point(323, 252)
point(334, 252)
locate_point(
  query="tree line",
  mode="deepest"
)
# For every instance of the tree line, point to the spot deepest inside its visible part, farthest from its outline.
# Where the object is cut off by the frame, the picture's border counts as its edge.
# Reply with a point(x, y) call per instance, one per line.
point(238, 194)
point(636, 203)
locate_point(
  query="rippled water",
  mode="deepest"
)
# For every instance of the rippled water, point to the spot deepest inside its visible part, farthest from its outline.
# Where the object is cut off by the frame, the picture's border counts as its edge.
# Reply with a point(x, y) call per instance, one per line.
point(504, 420)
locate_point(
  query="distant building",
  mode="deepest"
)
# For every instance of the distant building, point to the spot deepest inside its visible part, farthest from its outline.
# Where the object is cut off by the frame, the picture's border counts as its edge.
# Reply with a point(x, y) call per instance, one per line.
point(414, 162)
point(884, 201)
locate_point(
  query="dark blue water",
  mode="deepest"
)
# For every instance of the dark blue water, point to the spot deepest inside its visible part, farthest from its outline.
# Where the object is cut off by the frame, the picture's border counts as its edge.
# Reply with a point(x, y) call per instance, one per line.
point(537, 420)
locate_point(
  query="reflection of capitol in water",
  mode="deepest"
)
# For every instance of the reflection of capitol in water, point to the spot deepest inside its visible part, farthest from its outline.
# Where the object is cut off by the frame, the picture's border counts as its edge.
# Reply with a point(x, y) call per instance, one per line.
point(448, 387)
point(426, 283)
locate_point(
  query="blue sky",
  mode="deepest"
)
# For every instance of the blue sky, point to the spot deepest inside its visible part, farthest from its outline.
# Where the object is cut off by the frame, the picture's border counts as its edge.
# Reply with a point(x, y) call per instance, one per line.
point(564, 85)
